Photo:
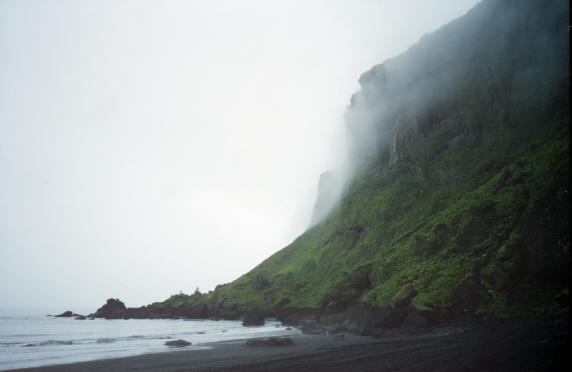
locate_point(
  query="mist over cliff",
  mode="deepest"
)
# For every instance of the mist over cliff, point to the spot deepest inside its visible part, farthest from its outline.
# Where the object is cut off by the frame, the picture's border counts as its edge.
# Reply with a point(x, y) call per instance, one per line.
point(515, 66)
point(453, 200)
point(455, 178)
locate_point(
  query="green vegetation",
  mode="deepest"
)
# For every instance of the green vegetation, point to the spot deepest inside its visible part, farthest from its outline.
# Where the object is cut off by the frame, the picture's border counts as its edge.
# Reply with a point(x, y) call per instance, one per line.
point(465, 209)
point(181, 300)
point(456, 246)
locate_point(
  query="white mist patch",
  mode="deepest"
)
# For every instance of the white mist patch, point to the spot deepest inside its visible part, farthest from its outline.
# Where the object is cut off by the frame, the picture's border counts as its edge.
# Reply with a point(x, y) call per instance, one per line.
point(148, 147)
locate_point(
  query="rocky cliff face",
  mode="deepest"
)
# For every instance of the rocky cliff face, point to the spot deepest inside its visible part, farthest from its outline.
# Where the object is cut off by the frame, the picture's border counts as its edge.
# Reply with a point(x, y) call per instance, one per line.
point(457, 200)
point(329, 191)
point(501, 65)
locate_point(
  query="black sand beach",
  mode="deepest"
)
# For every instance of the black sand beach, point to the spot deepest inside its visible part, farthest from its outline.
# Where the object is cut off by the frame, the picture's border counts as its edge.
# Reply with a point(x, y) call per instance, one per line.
point(511, 345)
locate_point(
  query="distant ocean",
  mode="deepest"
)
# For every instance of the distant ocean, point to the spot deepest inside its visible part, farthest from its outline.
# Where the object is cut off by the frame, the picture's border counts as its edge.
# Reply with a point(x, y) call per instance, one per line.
point(32, 339)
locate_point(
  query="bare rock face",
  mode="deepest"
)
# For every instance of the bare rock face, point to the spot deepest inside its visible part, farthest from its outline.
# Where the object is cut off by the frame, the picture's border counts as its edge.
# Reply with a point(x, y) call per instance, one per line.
point(329, 190)
point(253, 318)
point(113, 309)
point(198, 311)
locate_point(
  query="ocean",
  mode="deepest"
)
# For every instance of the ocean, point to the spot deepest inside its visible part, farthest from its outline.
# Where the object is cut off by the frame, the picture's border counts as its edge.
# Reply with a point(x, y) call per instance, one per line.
point(33, 339)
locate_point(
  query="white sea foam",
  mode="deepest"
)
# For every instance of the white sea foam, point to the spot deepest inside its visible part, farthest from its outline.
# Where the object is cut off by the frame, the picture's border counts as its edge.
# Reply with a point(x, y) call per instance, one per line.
point(31, 341)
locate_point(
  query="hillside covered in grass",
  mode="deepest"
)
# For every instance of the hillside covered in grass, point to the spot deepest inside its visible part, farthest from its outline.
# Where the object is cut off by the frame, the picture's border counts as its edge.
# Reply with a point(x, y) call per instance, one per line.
point(457, 190)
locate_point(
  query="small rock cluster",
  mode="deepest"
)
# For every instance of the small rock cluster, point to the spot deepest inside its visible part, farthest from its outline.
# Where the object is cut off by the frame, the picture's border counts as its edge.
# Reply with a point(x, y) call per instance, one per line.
point(71, 314)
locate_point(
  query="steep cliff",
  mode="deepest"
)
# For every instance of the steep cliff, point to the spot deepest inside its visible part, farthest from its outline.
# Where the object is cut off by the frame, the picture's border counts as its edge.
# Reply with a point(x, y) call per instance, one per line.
point(329, 190)
point(457, 196)
point(458, 200)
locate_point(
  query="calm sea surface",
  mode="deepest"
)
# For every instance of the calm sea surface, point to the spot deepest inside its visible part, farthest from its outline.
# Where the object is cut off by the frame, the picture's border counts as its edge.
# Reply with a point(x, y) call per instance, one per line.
point(31, 339)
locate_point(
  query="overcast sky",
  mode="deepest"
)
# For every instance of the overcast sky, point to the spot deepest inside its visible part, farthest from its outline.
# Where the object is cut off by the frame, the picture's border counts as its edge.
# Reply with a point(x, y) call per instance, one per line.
point(148, 147)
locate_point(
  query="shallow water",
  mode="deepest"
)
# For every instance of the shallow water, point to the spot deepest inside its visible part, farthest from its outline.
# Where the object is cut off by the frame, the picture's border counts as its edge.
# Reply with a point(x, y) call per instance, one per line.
point(37, 340)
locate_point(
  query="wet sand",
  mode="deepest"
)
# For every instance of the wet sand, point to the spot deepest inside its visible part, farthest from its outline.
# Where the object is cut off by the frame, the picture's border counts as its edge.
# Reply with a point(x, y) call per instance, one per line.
point(515, 345)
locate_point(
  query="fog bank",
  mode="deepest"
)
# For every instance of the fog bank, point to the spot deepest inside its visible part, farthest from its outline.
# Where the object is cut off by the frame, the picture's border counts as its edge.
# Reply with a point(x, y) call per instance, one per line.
point(148, 147)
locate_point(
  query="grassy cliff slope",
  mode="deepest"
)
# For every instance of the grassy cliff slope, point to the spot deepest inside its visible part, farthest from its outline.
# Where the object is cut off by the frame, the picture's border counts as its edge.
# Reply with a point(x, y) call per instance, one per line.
point(459, 198)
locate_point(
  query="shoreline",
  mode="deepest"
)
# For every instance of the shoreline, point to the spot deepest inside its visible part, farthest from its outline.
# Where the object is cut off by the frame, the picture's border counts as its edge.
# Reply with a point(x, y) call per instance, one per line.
point(499, 345)
point(219, 354)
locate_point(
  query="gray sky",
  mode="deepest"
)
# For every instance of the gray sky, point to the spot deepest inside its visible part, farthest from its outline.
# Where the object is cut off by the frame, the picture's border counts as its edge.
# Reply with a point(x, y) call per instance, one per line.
point(148, 147)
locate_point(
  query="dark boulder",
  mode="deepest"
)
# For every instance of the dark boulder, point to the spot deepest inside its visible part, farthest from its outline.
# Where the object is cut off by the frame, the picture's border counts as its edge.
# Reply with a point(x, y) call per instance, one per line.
point(178, 343)
point(65, 314)
point(80, 317)
point(272, 341)
point(253, 318)
point(113, 309)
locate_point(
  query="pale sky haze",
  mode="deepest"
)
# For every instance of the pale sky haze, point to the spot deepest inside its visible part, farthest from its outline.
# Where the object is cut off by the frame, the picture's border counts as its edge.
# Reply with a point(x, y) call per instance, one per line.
point(149, 146)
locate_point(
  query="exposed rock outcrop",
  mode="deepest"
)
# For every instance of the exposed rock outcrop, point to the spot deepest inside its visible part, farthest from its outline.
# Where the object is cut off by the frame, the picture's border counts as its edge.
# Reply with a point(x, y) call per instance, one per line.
point(253, 318)
point(113, 309)
point(330, 187)
point(65, 314)
point(178, 343)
